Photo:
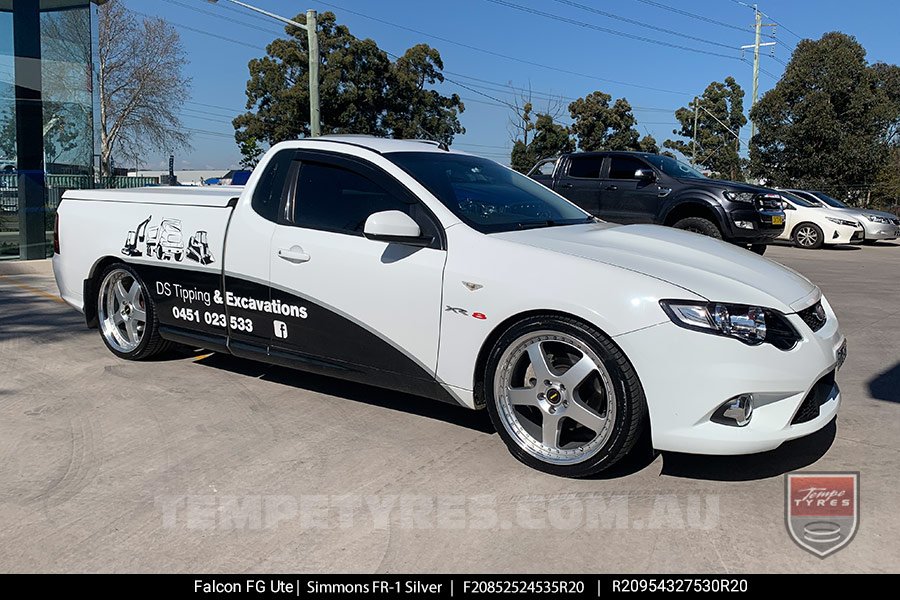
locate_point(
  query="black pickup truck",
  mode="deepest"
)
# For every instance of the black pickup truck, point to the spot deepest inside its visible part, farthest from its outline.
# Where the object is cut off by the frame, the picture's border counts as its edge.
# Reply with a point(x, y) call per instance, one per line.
point(638, 187)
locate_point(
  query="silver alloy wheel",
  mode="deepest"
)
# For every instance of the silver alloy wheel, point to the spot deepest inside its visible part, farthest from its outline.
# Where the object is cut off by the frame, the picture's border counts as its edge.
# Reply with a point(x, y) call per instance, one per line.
point(555, 397)
point(807, 236)
point(122, 311)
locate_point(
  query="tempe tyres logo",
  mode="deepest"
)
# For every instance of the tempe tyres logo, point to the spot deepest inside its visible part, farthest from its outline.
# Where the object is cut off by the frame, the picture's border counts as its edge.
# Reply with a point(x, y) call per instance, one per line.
point(821, 510)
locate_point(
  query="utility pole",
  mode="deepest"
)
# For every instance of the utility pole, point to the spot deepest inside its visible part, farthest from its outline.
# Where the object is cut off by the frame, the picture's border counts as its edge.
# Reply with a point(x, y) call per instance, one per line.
point(756, 45)
point(694, 140)
point(315, 126)
point(315, 119)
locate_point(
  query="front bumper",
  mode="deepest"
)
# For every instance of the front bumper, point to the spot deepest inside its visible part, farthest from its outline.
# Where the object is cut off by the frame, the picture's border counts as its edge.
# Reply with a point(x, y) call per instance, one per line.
point(842, 234)
point(687, 375)
point(763, 229)
point(880, 231)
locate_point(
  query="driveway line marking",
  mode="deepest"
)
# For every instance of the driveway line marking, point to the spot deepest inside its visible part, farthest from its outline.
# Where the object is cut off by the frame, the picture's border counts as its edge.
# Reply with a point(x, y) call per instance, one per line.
point(33, 290)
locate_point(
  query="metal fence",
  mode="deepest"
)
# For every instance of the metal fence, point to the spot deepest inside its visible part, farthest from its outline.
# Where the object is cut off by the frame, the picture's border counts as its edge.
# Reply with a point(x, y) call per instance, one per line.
point(56, 186)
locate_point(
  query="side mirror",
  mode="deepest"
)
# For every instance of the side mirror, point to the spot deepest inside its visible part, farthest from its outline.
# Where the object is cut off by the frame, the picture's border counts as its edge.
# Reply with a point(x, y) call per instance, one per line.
point(645, 175)
point(394, 227)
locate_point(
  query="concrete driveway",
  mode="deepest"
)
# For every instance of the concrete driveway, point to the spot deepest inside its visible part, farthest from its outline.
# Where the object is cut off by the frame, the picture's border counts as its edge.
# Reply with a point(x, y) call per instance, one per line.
point(212, 464)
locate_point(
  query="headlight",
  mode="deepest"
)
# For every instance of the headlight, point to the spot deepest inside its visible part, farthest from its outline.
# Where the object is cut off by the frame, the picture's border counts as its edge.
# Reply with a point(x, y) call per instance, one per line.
point(844, 222)
point(877, 219)
point(740, 196)
point(752, 325)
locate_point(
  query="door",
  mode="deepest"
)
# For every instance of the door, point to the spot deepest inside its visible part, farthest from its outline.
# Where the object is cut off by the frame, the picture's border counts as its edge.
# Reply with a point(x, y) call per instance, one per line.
point(366, 308)
point(246, 261)
point(623, 197)
point(581, 182)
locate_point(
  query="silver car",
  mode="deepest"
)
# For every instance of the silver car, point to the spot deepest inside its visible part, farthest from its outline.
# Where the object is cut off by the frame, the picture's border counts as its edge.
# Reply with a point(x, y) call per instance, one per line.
point(878, 225)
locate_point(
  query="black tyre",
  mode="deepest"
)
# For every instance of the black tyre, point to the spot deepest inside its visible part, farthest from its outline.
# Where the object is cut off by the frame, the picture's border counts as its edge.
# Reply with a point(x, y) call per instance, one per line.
point(127, 315)
point(563, 396)
point(808, 236)
point(870, 242)
point(699, 225)
point(758, 248)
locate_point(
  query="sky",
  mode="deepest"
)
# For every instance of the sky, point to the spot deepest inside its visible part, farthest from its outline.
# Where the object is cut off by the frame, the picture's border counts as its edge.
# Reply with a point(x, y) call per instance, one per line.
point(490, 49)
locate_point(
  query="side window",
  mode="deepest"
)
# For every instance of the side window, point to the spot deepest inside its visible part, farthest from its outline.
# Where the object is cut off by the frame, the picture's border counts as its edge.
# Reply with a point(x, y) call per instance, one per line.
point(336, 199)
point(547, 168)
point(267, 194)
point(587, 167)
point(623, 167)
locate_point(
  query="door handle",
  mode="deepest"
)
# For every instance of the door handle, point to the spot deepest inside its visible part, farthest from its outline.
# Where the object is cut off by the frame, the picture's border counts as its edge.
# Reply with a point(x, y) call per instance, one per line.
point(611, 188)
point(294, 254)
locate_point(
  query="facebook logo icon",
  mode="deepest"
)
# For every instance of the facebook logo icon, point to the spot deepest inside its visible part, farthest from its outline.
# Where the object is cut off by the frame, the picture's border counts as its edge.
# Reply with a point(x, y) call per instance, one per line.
point(280, 329)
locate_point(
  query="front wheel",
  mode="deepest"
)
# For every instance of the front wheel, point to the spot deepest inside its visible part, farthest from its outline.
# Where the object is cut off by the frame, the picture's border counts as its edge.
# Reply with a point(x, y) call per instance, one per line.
point(699, 225)
point(757, 248)
point(127, 315)
point(563, 397)
point(809, 236)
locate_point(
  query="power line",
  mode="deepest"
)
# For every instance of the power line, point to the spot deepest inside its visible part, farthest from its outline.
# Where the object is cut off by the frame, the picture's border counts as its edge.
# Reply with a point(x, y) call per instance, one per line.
point(604, 13)
point(202, 32)
point(782, 25)
point(693, 15)
point(517, 59)
point(220, 16)
point(583, 24)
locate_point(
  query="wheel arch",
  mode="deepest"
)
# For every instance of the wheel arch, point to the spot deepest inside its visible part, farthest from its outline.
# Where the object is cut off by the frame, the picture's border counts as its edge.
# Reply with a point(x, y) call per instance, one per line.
point(501, 328)
point(92, 287)
point(693, 208)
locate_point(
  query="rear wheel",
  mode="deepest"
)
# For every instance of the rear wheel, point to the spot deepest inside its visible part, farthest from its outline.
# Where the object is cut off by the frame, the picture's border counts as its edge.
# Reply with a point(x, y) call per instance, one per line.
point(808, 235)
point(563, 397)
point(699, 225)
point(127, 315)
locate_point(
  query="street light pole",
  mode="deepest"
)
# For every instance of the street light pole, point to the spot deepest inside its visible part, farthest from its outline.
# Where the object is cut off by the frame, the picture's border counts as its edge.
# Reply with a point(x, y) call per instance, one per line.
point(315, 127)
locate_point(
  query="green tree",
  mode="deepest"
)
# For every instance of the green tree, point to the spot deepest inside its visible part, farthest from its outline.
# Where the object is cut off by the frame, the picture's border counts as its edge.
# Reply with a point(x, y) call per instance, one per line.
point(361, 90)
point(250, 152)
point(829, 121)
point(550, 139)
point(648, 144)
point(720, 111)
point(601, 126)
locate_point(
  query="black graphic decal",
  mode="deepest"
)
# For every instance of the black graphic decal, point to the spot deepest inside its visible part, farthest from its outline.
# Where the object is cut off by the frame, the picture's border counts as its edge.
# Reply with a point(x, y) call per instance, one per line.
point(136, 236)
point(198, 249)
point(166, 242)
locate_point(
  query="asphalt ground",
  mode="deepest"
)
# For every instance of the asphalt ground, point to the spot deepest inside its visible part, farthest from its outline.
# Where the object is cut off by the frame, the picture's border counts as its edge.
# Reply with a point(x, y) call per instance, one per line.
point(206, 463)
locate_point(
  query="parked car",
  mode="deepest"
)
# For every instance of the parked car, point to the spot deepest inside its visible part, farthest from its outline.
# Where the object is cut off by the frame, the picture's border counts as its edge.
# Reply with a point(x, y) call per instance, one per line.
point(638, 187)
point(877, 225)
point(810, 226)
point(404, 265)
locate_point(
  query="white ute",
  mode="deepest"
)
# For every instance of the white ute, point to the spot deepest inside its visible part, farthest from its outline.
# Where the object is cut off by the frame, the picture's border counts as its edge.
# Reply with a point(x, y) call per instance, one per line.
point(408, 266)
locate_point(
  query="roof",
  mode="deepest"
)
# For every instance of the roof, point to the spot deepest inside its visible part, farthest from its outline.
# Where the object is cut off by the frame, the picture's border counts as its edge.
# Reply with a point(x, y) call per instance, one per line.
point(377, 144)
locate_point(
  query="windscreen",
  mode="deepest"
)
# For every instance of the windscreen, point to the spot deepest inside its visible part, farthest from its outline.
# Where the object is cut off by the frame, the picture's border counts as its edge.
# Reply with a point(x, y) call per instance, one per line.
point(486, 195)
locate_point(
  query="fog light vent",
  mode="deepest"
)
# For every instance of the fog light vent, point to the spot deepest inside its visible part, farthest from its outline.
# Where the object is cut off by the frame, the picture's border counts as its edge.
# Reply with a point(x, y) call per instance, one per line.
point(735, 411)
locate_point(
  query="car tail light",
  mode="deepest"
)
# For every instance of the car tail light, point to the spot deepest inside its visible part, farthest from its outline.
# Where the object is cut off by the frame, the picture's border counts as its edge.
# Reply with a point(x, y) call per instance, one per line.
point(56, 233)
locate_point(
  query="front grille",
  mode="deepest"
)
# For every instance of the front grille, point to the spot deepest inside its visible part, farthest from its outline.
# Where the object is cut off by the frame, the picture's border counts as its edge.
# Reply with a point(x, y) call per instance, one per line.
point(814, 316)
point(768, 203)
point(817, 396)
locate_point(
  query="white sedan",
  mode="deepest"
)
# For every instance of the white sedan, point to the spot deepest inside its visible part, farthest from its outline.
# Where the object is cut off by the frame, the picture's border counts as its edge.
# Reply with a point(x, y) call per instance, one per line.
point(810, 226)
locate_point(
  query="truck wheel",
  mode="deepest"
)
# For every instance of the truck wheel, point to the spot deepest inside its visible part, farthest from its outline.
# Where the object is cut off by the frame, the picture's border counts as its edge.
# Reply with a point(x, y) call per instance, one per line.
point(127, 315)
point(808, 235)
point(562, 396)
point(758, 248)
point(699, 225)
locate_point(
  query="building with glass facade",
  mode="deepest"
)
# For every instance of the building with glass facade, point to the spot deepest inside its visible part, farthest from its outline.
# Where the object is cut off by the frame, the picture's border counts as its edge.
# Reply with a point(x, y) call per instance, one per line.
point(47, 134)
